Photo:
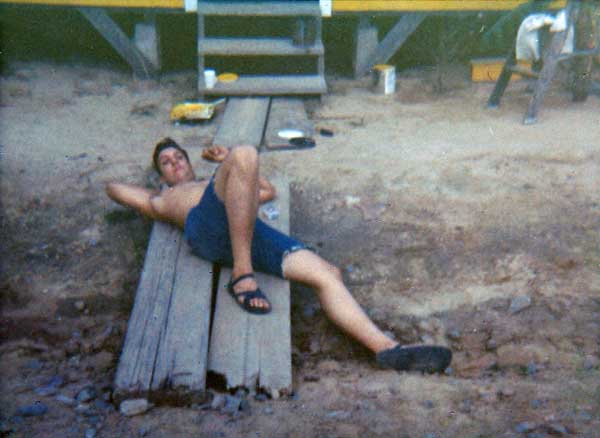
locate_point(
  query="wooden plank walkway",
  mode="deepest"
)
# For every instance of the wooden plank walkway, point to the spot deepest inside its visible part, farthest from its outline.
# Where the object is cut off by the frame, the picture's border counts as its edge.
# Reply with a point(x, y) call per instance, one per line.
point(243, 122)
point(254, 351)
point(286, 113)
point(165, 350)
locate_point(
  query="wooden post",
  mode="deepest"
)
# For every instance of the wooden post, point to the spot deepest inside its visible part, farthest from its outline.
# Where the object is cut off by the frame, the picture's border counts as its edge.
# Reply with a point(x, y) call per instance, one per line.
point(366, 39)
point(503, 79)
point(551, 58)
point(147, 39)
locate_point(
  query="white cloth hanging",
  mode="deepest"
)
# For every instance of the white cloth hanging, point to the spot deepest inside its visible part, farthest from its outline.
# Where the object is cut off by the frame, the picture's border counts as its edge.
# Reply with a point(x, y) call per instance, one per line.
point(528, 38)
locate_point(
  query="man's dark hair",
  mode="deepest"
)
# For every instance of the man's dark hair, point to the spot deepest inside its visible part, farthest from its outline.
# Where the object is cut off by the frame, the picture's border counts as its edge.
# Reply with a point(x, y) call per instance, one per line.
point(166, 143)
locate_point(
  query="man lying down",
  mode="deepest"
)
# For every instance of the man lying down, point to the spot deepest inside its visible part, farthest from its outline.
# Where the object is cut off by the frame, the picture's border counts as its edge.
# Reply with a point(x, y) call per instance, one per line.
point(219, 219)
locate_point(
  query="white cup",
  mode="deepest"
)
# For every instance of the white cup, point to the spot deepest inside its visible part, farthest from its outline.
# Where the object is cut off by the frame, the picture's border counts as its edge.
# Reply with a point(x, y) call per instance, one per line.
point(210, 78)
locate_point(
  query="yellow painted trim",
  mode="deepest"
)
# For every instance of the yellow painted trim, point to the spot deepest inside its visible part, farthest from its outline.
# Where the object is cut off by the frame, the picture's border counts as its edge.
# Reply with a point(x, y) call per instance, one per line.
point(429, 5)
point(338, 5)
point(171, 4)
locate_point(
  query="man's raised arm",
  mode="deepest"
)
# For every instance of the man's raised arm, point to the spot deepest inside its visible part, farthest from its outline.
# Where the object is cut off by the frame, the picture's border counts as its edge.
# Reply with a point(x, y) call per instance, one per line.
point(133, 196)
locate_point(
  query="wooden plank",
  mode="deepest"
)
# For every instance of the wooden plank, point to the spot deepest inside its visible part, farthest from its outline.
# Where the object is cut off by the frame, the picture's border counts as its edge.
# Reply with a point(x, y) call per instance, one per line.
point(286, 113)
point(255, 350)
point(243, 122)
point(100, 19)
point(270, 85)
point(165, 349)
point(136, 364)
point(181, 359)
point(340, 6)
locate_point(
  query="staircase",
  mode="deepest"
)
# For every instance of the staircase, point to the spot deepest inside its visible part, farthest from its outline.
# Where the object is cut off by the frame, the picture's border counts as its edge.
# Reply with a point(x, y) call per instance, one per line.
point(302, 39)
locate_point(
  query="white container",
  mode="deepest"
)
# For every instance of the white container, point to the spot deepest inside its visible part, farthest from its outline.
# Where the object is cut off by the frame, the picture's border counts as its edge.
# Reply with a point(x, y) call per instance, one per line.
point(210, 78)
point(384, 79)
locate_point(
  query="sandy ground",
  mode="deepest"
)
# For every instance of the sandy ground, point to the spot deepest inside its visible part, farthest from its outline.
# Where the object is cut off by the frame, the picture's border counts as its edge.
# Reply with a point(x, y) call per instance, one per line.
point(453, 224)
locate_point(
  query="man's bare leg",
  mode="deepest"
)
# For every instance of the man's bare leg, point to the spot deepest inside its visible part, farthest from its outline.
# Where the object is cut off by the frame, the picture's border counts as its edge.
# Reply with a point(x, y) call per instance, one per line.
point(236, 184)
point(340, 306)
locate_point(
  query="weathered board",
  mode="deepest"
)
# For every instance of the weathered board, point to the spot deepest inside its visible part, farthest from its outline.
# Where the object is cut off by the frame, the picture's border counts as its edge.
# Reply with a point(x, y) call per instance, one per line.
point(286, 113)
point(255, 350)
point(165, 350)
point(243, 122)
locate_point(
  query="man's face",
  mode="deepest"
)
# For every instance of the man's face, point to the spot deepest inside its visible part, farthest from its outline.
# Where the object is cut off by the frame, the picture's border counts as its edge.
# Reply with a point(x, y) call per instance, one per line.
point(174, 167)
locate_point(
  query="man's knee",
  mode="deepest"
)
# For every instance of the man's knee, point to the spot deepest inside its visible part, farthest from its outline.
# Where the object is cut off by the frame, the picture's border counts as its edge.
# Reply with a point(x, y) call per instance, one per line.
point(244, 157)
point(330, 272)
point(335, 271)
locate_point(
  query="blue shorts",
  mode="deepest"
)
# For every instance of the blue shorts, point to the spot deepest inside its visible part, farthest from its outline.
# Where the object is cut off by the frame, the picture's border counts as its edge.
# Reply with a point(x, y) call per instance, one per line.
point(207, 231)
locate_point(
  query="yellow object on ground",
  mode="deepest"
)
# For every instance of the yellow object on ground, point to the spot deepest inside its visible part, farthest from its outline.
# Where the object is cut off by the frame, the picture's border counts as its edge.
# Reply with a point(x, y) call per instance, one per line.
point(227, 77)
point(194, 110)
point(489, 69)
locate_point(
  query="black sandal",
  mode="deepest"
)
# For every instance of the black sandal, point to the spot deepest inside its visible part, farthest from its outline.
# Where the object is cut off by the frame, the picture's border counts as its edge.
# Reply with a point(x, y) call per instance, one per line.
point(248, 296)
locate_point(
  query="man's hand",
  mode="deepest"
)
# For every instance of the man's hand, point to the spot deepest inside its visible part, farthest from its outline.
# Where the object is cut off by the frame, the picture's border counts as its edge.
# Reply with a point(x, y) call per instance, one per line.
point(215, 153)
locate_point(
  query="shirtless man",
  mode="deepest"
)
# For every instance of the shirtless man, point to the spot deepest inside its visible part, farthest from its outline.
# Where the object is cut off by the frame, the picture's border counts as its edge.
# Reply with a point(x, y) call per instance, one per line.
point(219, 221)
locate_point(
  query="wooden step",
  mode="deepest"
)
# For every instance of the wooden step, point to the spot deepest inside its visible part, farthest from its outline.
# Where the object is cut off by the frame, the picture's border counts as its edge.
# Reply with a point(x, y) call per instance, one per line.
point(257, 46)
point(264, 8)
point(269, 85)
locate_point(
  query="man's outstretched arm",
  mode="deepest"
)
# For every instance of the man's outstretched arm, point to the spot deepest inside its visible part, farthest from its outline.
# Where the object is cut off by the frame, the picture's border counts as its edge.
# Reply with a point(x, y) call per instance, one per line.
point(133, 196)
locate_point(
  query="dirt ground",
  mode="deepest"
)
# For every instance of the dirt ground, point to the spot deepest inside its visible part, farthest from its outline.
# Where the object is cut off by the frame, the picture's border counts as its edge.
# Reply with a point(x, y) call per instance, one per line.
point(452, 224)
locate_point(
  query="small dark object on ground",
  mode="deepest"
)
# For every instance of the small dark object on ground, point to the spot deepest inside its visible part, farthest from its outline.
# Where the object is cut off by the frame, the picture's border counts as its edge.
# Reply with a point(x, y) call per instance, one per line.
point(34, 410)
point(326, 132)
point(302, 143)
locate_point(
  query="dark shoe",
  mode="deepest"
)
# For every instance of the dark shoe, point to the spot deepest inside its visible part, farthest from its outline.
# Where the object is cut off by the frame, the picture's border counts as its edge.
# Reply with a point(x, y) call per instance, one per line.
point(248, 296)
point(424, 358)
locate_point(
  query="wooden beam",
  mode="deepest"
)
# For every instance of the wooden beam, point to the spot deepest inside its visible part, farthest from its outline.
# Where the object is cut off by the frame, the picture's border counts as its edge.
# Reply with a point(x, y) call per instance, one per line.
point(100, 19)
point(243, 122)
point(394, 39)
point(255, 350)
